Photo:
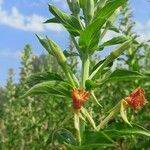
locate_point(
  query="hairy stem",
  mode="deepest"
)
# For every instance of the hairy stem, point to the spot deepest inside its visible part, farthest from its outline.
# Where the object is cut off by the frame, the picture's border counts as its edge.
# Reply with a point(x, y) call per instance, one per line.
point(85, 68)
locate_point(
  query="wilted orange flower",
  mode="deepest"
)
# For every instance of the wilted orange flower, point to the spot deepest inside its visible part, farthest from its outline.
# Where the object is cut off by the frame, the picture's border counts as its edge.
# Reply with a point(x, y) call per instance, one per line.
point(136, 99)
point(79, 96)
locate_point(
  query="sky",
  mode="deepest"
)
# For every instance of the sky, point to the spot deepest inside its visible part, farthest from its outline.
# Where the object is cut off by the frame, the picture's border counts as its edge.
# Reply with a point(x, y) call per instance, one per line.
point(21, 19)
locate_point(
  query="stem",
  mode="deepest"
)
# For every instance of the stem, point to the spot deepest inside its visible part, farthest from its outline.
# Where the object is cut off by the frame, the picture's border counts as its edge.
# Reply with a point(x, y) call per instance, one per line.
point(77, 126)
point(109, 117)
point(69, 77)
point(85, 68)
point(75, 43)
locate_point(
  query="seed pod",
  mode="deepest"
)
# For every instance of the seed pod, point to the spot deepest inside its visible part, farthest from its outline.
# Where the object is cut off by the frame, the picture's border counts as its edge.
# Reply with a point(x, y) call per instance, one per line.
point(89, 10)
point(74, 6)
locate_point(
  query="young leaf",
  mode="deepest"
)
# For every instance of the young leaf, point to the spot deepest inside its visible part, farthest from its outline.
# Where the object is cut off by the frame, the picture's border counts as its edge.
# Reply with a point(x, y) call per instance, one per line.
point(114, 41)
point(111, 57)
point(89, 38)
point(55, 88)
point(99, 63)
point(117, 130)
point(70, 22)
point(52, 20)
point(70, 54)
point(121, 129)
point(122, 74)
point(117, 75)
point(43, 76)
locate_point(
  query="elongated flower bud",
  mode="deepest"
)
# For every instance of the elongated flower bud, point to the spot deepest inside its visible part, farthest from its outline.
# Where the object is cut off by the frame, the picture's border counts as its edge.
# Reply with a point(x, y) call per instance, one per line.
point(89, 10)
point(74, 6)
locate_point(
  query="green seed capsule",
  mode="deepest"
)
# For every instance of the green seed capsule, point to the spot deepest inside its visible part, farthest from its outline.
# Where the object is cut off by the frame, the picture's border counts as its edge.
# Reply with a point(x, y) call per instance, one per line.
point(89, 10)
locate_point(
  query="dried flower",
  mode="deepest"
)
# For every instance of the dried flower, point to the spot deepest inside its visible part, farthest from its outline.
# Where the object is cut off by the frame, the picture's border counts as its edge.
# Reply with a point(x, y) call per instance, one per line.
point(136, 99)
point(79, 96)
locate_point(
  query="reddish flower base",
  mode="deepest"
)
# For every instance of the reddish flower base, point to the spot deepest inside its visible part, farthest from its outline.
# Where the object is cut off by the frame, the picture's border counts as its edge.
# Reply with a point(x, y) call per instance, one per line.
point(79, 96)
point(136, 99)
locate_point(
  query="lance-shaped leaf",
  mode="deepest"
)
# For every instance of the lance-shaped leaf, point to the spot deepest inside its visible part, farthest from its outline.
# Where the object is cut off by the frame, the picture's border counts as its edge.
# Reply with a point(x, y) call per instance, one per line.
point(111, 57)
point(113, 41)
point(52, 20)
point(55, 88)
point(43, 76)
point(116, 76)
point(121, 130)
point(122, 75)
point(89, 38)
point(70, 22)
point(114, 131)
point(70, 54)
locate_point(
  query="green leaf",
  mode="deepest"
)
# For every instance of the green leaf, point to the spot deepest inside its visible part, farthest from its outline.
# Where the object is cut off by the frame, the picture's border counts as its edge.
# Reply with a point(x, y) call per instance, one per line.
point(122, 74)
point(117, 75)
point(113, 132)
point(52, 20)
point(89, 38)
point(99, 63)
point(89, 146)
point(111, 57)
point(55, 88)
point(114, 41)
point(121, 129)
point(70, 22)
point(43, 76)
point(114, 28)
point(70, 54)
point(62, 136)
point(100, 4)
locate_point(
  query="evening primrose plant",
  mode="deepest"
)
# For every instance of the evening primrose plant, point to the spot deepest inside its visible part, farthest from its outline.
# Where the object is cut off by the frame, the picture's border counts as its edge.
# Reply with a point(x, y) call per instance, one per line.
point(87, 25)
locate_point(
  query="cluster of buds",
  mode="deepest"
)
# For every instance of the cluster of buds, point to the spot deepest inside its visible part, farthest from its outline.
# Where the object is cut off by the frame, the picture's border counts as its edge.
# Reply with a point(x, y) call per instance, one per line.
point(79, 96)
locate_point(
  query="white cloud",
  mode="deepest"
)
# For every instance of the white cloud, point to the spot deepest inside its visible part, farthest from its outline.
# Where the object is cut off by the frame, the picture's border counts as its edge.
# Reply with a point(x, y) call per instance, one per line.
point(33, 23)
point(7, 53)
point(143, 30)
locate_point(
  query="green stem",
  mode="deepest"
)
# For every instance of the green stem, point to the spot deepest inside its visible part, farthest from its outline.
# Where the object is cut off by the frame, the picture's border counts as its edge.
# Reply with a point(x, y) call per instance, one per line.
point(77, 126)
point(85, 68)
point(69, 76)
point(109, 117)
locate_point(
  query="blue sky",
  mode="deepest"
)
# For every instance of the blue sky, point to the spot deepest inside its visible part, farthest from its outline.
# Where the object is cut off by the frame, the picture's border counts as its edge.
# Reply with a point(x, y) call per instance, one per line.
point(21, 19)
